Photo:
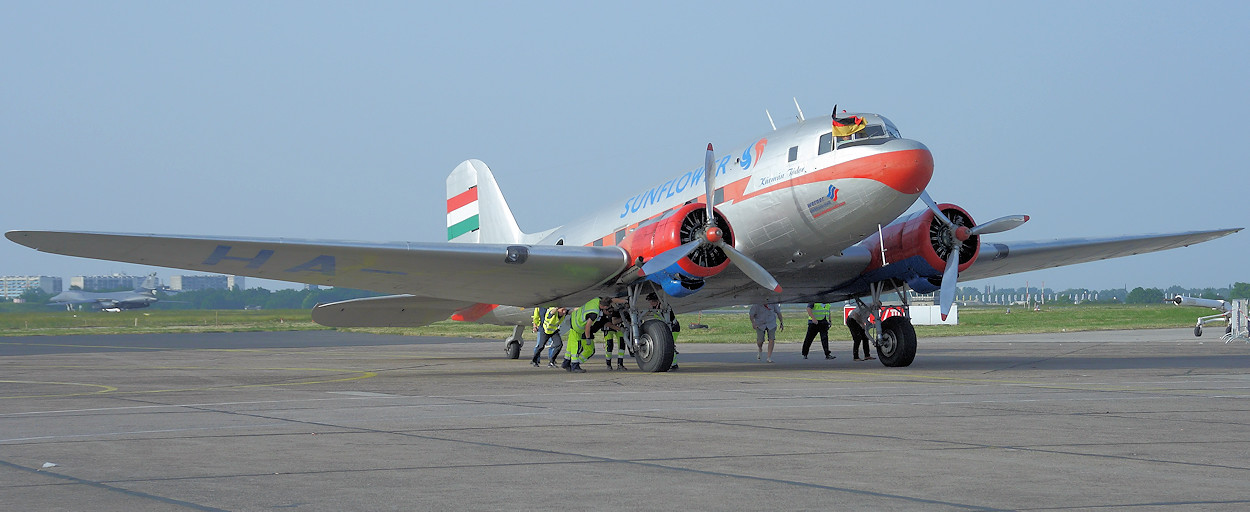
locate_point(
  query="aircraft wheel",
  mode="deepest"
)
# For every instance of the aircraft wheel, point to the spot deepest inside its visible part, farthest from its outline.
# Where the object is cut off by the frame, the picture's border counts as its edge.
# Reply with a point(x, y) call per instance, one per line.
point(513, 349)
point(898, 342)
point(655, 347)
point(1198, 331)
point(1228, 330)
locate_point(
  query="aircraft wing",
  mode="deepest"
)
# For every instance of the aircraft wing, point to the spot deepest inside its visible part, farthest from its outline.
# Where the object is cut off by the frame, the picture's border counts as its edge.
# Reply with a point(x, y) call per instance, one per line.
point(997, 259)
point(462, 273)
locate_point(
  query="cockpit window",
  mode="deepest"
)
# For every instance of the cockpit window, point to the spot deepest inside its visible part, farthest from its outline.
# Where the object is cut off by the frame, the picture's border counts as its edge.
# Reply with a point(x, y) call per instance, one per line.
point(825, 144)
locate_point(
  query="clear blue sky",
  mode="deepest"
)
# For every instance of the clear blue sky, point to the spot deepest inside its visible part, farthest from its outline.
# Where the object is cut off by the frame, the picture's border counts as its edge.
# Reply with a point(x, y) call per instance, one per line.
point(341, 120)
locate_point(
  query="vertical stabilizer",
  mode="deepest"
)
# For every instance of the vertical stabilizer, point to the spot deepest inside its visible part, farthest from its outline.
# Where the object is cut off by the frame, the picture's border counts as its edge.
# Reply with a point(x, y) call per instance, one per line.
point(476, 209)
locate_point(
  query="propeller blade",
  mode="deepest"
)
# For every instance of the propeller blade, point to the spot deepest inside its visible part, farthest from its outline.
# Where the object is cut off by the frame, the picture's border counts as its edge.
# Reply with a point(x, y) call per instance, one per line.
point(924, 196)
point(749, 267)
point(709, 182)
point(1000, 224)
point(668, 258)
point(947, 294)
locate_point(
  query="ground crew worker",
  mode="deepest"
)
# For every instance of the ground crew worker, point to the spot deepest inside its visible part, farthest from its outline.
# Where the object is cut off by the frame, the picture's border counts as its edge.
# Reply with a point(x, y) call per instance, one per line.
point(818, 323)
point(855, 322)
point(581, 346)
point(614, 331)
point(549, 332)
point(537, 323)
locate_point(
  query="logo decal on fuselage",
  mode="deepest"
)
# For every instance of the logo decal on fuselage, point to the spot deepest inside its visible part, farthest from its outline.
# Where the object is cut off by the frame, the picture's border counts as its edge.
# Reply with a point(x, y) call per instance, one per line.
point(750, 158)
point(826, 203)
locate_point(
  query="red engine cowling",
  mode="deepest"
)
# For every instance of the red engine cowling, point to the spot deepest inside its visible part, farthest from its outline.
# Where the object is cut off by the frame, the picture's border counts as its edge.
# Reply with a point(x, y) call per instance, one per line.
point(671, 230)
point(916, 247)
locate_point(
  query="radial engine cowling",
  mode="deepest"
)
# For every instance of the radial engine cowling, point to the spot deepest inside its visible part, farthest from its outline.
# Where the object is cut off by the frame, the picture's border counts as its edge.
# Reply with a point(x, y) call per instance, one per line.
point(916, 247)
point(670, 231)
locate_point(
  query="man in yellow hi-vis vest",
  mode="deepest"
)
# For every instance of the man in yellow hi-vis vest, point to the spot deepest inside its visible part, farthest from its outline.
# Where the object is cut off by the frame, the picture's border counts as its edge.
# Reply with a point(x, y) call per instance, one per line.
point(818, 323)
point(581, 344)
point(549, 332)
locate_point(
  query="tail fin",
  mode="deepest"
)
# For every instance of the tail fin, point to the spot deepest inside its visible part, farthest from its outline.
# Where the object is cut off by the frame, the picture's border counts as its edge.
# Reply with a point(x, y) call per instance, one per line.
point(151, 283)
point(476, 209)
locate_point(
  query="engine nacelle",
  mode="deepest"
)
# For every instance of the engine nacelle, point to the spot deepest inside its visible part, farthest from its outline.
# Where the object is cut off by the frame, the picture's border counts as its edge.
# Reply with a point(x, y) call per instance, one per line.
point(671, 230)
point(916, 247)
point(1202, 303)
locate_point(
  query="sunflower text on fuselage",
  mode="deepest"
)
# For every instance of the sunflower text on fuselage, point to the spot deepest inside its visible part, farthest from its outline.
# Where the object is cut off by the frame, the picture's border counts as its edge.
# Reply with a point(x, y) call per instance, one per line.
point(750, 157)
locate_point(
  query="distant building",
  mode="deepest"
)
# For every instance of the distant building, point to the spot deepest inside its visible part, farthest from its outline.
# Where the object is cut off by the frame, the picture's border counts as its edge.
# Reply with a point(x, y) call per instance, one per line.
point(193, 283)
point(235, 283)
point(112, 282)
point(12, 287)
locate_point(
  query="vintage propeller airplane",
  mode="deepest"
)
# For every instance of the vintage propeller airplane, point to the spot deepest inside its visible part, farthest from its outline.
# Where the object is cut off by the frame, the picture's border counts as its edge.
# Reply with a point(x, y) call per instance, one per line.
point(795, 216)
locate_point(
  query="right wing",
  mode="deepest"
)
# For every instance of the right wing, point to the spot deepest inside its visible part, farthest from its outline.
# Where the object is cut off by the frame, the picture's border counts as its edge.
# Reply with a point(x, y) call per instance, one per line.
point(458, 274)
point(998, 259)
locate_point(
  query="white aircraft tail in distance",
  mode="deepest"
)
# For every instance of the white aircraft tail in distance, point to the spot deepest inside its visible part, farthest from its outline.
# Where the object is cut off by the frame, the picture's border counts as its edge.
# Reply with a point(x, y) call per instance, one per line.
point(810, 212)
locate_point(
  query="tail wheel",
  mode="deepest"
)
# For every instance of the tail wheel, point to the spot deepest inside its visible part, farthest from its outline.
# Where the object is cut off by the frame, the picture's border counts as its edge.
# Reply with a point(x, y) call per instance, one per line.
point(513, 350)
point(897, 346)
point(655, 347)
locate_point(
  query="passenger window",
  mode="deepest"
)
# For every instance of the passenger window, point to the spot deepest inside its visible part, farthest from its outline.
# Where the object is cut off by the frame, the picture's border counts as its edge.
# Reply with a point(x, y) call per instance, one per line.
point(826, 143)
point(794, 153)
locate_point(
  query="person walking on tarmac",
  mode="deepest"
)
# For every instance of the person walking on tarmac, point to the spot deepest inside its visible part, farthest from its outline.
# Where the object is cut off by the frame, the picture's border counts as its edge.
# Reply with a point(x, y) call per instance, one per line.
point(658, 313)
point(549, 332)
point(818, 323)
point(766, 320)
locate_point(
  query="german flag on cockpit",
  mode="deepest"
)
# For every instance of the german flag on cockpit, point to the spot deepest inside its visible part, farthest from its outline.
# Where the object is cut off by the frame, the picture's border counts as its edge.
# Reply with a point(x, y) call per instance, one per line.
point(844, 126)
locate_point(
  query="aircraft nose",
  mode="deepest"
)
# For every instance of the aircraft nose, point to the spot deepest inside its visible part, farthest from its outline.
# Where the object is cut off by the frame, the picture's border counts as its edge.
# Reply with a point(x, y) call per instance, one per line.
point(906, 166)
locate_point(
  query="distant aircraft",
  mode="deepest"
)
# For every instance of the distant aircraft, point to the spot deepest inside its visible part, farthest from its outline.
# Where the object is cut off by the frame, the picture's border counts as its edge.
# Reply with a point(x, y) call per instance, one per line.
point(794, 216)
point(112, 302)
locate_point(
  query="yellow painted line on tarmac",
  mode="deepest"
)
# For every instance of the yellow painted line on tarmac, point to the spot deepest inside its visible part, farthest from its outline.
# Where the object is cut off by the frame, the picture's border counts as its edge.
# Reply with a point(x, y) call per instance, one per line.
point(103, 388)
point(113, 391)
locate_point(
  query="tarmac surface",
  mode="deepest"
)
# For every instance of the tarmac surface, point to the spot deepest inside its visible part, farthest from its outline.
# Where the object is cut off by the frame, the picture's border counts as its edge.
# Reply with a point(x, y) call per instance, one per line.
point(1118, 420)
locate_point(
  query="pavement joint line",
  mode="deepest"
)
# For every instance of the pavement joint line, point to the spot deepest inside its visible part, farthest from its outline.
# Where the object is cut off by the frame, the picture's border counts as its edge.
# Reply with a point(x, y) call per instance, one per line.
point(110, 488)
point(595, 458)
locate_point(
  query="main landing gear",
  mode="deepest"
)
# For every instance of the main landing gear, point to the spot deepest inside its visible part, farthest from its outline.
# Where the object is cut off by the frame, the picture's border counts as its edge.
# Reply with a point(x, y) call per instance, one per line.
point(650, 339)
point(894, 337)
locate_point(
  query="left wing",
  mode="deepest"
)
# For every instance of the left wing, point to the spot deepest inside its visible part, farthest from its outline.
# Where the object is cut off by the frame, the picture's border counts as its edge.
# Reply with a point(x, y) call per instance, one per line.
point(998, 259)
point(463, 273)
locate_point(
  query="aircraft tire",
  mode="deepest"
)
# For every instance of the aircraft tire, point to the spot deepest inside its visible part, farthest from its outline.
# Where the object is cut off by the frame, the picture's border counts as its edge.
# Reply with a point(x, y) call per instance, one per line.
point(1229, 329)
point(1198, 331)
point(513, 349)
point(898, 344)
point(655, 347)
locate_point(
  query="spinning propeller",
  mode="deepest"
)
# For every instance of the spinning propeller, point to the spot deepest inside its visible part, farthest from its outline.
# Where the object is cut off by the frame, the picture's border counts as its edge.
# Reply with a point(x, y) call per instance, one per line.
point(710, 237)
point(958, 233)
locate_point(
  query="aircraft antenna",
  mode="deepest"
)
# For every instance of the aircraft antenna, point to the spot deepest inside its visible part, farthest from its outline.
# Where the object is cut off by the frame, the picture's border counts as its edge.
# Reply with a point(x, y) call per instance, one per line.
point(770, 119)
point(800, 109)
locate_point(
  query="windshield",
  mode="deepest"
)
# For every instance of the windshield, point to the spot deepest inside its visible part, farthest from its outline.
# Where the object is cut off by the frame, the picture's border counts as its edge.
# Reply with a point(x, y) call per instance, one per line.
point(877, 127)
